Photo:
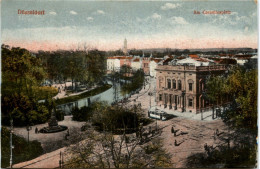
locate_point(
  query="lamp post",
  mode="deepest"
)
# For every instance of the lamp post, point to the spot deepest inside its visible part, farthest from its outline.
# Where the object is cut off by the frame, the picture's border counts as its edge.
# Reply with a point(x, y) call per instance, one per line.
point(204, 96)
point(11, 143)
point(28, 128)
point(183, 106)
point(61, 162)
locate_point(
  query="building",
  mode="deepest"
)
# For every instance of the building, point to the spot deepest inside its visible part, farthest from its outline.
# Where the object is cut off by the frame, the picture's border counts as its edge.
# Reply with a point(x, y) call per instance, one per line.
point(125, 60)
point(113, 64)
point(180, 86)
point(153, 65)
point(146, 65)
point(136, 64)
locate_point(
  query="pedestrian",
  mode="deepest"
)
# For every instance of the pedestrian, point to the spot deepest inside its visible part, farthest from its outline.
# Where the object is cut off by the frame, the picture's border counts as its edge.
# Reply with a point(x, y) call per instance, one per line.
point(175, 143)
point(68, 132)
point(206, 147)
point(172, 129)
point(36, 130)
point(217, 132)
point(175, 133)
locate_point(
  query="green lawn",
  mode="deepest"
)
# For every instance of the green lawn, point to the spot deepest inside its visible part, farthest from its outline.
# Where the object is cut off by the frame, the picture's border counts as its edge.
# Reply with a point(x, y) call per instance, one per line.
point(83, 95)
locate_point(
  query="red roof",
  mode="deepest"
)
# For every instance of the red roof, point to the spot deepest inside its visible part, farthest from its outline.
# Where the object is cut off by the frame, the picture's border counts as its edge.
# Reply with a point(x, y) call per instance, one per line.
point(156, 60)
point(136, 60)
point(125, 57)
point(200, 59)
point(114, 57)
point(194, 56)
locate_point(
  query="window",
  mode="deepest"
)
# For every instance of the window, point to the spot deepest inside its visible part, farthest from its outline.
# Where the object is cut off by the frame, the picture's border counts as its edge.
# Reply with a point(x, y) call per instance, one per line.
point(169, 83)
point(165, 98)
point(179, 84)
point(174, 84)
point(190, 102)
point(190, 86)
point(160, 97)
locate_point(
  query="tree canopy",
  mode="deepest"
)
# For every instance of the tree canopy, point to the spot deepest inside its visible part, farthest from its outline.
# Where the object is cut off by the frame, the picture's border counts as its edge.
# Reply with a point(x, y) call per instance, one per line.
point(22, 74)
point(239, 87)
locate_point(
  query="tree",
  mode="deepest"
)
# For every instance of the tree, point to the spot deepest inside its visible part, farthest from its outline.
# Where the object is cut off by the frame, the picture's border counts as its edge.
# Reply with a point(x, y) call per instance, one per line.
point(104, 150)
point(239, 88)
point(238, 147)
point(22, 74)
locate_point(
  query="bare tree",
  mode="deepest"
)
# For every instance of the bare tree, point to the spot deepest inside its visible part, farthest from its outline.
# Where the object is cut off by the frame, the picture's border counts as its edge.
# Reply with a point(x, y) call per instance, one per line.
point(104, 150)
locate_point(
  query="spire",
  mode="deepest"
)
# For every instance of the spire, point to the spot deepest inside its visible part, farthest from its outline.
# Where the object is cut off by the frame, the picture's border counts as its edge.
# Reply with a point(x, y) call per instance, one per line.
point(125, 47)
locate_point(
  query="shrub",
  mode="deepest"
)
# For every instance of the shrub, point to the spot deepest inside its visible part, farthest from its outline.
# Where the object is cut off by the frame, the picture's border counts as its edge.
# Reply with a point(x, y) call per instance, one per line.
point(59, 114)
point(82, 114)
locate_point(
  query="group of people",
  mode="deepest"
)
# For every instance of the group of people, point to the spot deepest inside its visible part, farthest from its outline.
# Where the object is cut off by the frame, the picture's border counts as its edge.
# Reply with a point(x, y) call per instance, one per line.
point(175, 134)
point(60, 88)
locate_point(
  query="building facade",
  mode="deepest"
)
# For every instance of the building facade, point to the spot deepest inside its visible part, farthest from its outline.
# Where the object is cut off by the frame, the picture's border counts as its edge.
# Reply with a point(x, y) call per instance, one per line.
point(182, 87)
point(136, 64)
point(113, 64)
point(153, 66)
point(146, 65)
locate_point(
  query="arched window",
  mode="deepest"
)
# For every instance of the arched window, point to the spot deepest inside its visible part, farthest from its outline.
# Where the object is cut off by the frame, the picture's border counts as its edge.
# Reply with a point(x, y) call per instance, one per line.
point(174, 83)
point(179, 84)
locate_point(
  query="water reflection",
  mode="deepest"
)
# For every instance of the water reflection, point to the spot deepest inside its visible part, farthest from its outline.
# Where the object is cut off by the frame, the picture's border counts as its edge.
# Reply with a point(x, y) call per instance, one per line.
point(108, 96)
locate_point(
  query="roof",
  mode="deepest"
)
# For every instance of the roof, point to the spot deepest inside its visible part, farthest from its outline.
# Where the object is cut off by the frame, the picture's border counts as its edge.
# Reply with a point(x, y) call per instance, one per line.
point(165, 62)
point(136, 60)
point(113, 57)
point(193, 56)
point(125, 57)
point(196, 62)
point(156, 60)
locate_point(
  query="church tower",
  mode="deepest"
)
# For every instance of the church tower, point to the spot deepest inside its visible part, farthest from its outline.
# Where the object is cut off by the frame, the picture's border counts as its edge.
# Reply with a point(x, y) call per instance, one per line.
point(125, 47)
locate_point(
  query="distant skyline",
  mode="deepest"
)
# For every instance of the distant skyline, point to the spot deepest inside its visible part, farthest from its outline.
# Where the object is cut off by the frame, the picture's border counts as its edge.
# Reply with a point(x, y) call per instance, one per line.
point(147, 24)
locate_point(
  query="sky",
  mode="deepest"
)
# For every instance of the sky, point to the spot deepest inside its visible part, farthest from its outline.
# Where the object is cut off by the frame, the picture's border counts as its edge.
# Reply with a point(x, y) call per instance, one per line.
point(145, 24)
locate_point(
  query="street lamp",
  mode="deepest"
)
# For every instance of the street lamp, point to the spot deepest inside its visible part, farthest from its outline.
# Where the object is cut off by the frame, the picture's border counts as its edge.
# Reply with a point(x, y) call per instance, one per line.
point(28, 128)
point(204, 96)
point(11, 143)
point(183, 106)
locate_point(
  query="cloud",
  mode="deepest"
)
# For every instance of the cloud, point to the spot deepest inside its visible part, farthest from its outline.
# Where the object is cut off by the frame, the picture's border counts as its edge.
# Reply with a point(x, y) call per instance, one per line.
point(90, 18)
point(52, 13)
point(139, 19)
point(170, 6)
point(178, 20)
point(73, 13)
point(156, 16)
point(100, 12)
point(234, 13)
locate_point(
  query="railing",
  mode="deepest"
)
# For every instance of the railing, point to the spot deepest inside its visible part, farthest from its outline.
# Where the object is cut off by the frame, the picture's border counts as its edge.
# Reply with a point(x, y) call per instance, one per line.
point(194, 68)
point(203, 109)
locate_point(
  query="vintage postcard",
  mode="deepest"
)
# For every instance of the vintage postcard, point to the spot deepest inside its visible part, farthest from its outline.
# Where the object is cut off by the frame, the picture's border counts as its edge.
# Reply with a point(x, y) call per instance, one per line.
point(129, 84)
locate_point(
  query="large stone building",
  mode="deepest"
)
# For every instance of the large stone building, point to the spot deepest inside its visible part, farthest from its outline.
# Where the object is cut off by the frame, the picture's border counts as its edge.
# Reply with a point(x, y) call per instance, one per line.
point(181, 86)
